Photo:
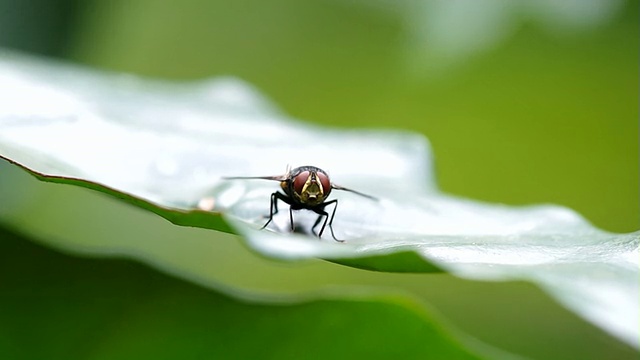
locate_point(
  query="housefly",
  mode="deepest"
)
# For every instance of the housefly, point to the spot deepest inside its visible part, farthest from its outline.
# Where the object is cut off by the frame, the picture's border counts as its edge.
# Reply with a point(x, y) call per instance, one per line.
point(305, 187)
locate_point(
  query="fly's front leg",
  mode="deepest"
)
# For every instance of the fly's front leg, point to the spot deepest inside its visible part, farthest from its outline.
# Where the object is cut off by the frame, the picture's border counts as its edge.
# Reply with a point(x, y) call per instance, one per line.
point(320, 211)
point(273, 207)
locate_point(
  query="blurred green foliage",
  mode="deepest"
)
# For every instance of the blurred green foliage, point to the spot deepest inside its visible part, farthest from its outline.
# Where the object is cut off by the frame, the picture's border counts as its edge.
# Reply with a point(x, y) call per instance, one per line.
point(81, 313)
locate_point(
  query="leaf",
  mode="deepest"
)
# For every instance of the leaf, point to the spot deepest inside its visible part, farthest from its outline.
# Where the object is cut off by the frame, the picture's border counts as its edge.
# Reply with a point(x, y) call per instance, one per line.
point(165, 147)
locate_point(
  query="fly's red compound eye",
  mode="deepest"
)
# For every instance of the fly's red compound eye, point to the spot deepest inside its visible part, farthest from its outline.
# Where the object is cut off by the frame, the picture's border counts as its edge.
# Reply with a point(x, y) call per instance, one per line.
point(324, 180)
point(299, 181)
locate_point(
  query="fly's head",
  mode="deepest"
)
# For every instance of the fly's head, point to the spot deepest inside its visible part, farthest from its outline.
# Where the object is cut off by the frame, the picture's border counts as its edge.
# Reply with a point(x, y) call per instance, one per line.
point(308, 185)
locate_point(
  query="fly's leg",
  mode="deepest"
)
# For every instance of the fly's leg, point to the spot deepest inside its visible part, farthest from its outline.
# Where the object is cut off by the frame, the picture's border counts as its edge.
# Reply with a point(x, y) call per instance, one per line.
point(291, 217)
point(321, 212)
point(315, 224)
point(333, 215)
point(273, 207)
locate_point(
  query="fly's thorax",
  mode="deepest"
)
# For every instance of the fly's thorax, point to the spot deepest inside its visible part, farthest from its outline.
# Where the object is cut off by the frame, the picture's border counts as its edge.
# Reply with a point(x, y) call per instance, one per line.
point(311, 186)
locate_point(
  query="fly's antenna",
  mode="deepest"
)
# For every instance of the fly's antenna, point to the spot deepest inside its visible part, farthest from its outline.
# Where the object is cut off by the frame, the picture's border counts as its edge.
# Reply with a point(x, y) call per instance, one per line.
point(338, 187)
point(274, 178)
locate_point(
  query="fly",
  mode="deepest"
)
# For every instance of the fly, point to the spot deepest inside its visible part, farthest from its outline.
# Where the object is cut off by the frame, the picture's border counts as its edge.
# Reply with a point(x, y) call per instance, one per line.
point(305, 187)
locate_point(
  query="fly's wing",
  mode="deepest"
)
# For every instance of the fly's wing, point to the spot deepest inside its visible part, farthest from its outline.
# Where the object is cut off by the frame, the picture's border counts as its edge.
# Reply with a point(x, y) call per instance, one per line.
point(338, 187)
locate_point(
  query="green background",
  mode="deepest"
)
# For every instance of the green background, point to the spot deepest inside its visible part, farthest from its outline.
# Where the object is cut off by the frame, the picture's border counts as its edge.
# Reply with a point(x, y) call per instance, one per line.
point(543, 118)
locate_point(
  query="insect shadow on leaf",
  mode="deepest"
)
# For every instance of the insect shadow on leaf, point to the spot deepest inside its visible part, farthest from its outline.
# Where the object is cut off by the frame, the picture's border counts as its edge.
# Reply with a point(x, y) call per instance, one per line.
point(305, 187)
